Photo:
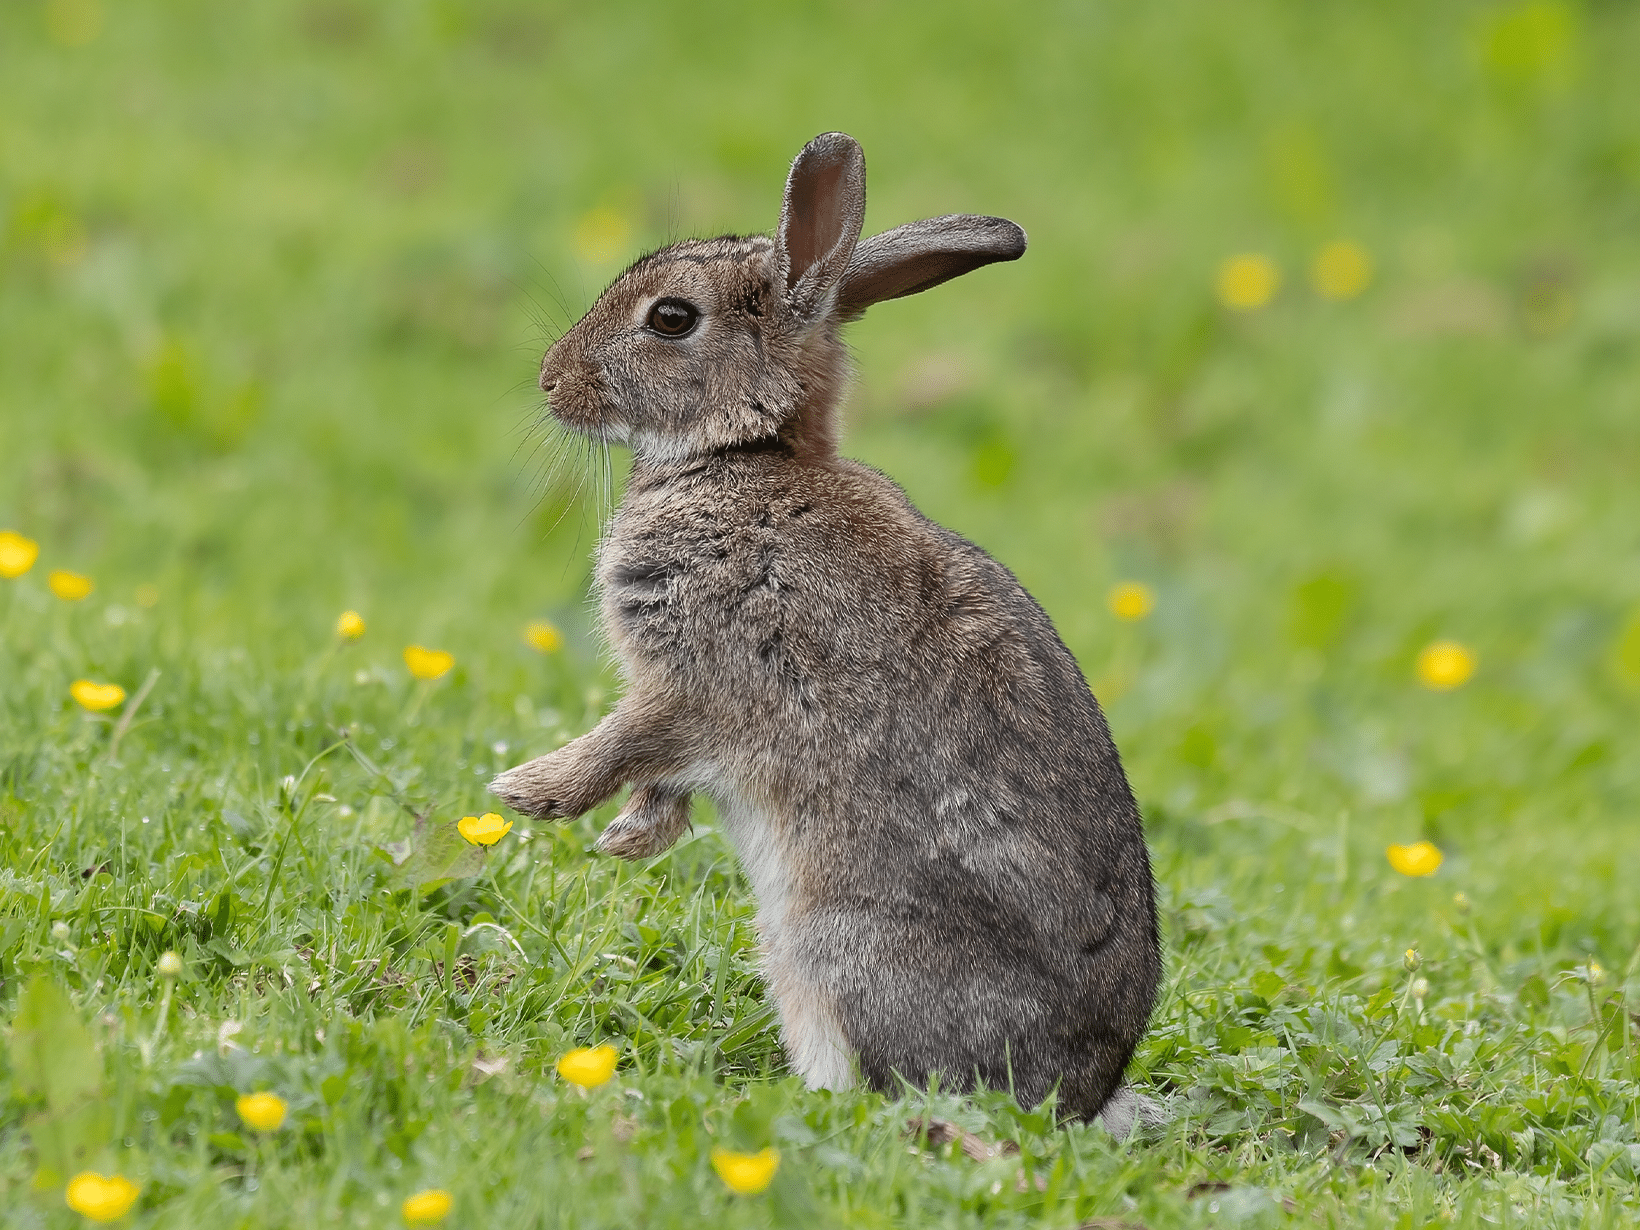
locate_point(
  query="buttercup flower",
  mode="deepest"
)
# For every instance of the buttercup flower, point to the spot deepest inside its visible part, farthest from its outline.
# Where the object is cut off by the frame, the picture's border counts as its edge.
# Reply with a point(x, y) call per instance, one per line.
point(601, 234)
point(1248, 281)
point(100, 1197)
point(263, 1111)
point(1412, 960)
point(17, 554)
point(1421, 858)
point(96, 696)
point(539, 634)
point(350, 625)
point(1445, 665)
point(484, 830)
point(1342, 270)
point(746, 1173)
point(588, 1067)
point(428, 663)
point(69, 586)
point(1131, 600)
point(427, 1208)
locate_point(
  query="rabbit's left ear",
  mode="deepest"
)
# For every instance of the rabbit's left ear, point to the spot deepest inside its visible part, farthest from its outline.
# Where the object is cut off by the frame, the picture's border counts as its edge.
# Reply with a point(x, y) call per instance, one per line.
point(919, 255)
point(820, 219)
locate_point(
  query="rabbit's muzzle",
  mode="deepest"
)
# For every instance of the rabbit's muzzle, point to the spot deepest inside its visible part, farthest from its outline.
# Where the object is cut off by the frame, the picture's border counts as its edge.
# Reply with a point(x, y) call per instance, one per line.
point(578, 396)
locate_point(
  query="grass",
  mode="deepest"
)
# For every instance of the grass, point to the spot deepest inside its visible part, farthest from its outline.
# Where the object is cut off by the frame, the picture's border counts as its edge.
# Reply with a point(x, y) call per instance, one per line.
point(273, 282)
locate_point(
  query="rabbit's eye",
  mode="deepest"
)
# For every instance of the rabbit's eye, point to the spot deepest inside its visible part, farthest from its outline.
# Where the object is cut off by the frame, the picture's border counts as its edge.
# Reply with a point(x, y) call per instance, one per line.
point(673, 317)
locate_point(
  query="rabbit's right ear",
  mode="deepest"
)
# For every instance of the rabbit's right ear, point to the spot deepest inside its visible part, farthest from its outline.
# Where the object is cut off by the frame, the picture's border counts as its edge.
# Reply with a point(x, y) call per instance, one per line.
point(820, 219)
point(922, 254)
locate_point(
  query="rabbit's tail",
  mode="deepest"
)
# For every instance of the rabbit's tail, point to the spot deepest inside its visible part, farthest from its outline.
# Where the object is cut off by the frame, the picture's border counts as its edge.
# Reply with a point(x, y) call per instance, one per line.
point(1126, 1109)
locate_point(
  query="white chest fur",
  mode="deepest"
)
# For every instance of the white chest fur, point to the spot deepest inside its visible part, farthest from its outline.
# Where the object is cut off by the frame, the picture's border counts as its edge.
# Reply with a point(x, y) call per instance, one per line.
point(809, 1026)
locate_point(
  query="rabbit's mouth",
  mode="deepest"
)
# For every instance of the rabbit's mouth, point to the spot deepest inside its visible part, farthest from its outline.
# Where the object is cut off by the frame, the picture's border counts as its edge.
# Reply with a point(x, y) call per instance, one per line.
point(580, 401)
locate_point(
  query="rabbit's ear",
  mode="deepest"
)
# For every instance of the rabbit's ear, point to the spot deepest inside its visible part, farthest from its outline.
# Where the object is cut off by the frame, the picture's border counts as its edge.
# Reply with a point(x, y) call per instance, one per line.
point(918, 255)
point(820, 219)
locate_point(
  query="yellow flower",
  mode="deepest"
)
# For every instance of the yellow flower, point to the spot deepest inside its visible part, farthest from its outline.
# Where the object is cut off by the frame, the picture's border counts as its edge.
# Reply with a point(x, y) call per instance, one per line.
point(1445, 665)
point(350, 625)
point(588, 1067)
point(69, 586)
point(17, 554)
point(1131, 600)
point(427, 1208)
point(539, 634)
point(600, 235)
point(1421, 858)
point(746, 1173)
point(1248, 281)
point(263, 1111)
point(101, 1197)
point(96, 696)
point(428, 663)
point(1341, 270)
point(484, 830)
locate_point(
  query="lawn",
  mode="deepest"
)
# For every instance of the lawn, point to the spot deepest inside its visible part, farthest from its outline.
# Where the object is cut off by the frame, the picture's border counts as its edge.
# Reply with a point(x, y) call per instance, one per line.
point(274, 281)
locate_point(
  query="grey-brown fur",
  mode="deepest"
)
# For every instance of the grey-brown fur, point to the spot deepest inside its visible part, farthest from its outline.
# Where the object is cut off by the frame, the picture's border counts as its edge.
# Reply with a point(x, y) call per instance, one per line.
point(949, 865)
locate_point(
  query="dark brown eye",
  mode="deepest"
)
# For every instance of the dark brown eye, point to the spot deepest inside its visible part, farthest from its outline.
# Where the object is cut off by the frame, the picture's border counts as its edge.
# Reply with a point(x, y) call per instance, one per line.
point(673, 317)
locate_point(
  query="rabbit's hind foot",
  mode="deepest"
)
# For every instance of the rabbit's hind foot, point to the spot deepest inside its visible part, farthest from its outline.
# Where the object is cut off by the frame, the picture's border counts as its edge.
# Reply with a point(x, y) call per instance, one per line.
point(654, 818)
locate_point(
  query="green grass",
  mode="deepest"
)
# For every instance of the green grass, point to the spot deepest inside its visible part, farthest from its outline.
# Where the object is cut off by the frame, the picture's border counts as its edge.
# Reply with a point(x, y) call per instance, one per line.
point(273, 283)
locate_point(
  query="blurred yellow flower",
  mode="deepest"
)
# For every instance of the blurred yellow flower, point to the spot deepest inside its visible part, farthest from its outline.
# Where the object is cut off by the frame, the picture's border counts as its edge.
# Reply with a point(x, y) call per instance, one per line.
point(100, 1197)
point(746, 1173)
point(73, 23)
point(350, 625)
point(17, 554)
point(427, 1208)
point(428, 663)
point(147, 595)
point(601, 234)
point(1131, 600)
point(96, 696)
point(1248, 281)
point(263, 1111)
point(484, 830)
point(539, 634)
point(1341, 270)
point(69, 586)
point(1421, 858)
point(1445, 665)
point(588, 1067)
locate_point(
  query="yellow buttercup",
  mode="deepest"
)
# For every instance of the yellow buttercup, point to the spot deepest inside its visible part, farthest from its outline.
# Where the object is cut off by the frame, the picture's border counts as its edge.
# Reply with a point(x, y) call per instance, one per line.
point(588, 1067)
point(1421, 858)
point(69, 586)
point(428, 663)
point(263, 1111)
point(746, 1173)
point(484, 830)
point(427, 1208)
point(17, 554)
point(100, 1197)
point(96, 696)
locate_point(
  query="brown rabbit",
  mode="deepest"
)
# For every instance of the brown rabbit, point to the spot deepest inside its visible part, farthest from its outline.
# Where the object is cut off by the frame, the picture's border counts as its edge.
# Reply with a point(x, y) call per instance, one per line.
point(949, 867)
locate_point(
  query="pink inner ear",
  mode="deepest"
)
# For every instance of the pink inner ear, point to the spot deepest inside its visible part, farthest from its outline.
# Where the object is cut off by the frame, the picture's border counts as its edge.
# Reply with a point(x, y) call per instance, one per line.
point(817, 209)
point(815, 223)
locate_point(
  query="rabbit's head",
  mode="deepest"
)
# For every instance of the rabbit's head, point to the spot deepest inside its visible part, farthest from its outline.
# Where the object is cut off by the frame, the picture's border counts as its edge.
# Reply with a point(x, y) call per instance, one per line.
point(717, 343)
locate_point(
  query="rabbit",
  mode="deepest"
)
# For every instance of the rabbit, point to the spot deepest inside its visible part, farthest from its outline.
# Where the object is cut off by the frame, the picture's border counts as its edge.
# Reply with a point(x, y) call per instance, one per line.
point(951, 877)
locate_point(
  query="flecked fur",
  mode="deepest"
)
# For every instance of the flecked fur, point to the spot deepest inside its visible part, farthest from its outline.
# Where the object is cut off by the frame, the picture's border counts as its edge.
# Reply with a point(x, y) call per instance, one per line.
point(948, 861)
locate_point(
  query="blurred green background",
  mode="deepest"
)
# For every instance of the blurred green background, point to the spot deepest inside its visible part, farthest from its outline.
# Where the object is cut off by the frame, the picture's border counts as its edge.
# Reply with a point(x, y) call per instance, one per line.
point(275, 279)
point(274, 283)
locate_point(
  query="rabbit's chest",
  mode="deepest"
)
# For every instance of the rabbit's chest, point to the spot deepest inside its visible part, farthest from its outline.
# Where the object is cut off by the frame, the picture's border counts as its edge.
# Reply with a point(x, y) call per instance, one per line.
point(692, 599)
